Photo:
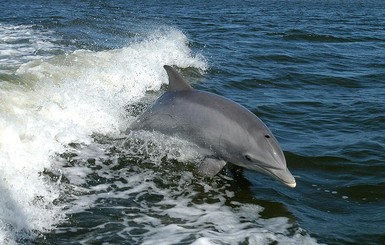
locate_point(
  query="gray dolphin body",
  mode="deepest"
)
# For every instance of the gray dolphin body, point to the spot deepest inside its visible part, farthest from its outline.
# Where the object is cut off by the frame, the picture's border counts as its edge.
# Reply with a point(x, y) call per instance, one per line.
point(226, 130)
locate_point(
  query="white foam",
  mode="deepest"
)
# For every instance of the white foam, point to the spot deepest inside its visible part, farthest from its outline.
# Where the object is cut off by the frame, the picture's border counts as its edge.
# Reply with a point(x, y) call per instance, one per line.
point(64, 100)
point(176, 216)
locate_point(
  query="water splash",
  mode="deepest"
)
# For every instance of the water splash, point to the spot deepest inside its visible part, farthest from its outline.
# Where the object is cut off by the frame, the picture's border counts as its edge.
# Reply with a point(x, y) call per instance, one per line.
point(48, 104)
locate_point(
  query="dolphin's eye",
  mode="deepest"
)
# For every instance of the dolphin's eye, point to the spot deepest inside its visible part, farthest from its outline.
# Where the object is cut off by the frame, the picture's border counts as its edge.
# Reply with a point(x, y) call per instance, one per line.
point(267, 136)
point(248, 158)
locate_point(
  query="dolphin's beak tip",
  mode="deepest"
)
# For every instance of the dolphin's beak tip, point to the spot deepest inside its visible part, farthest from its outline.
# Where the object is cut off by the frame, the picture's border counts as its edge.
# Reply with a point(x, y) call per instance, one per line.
point(292, 184)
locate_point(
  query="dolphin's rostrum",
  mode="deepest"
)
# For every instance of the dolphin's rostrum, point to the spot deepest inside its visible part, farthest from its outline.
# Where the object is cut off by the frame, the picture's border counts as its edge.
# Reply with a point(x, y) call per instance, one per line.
point(226, 130)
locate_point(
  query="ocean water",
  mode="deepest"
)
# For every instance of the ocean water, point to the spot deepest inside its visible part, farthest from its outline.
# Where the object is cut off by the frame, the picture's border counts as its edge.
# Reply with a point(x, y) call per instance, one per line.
point(74, 74)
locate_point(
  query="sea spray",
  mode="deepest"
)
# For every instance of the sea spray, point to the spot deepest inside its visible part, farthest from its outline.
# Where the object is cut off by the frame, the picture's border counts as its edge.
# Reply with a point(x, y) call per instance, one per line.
point(63, 100)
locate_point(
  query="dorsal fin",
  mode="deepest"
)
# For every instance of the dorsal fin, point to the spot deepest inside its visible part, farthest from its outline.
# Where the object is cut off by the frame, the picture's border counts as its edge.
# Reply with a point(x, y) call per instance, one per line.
point(175, 81)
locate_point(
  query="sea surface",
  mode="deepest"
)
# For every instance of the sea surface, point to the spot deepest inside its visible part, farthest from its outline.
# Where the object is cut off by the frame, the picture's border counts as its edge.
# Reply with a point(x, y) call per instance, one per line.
point(75, 74)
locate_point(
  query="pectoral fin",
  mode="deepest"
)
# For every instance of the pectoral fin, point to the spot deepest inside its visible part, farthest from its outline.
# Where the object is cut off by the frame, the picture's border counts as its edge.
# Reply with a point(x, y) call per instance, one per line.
point(210, 167)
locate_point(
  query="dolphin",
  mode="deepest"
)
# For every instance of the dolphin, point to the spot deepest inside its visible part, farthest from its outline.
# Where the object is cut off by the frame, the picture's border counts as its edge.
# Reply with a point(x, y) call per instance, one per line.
point(225, 130)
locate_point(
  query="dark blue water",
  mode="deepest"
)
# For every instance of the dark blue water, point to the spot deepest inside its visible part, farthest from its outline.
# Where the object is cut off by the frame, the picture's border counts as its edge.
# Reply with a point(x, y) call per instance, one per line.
point(74, 73)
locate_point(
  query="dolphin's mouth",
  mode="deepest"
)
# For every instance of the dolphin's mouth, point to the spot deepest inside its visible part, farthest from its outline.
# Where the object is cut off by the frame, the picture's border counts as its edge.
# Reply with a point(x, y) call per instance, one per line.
point(282, 175)
point(291, 184)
